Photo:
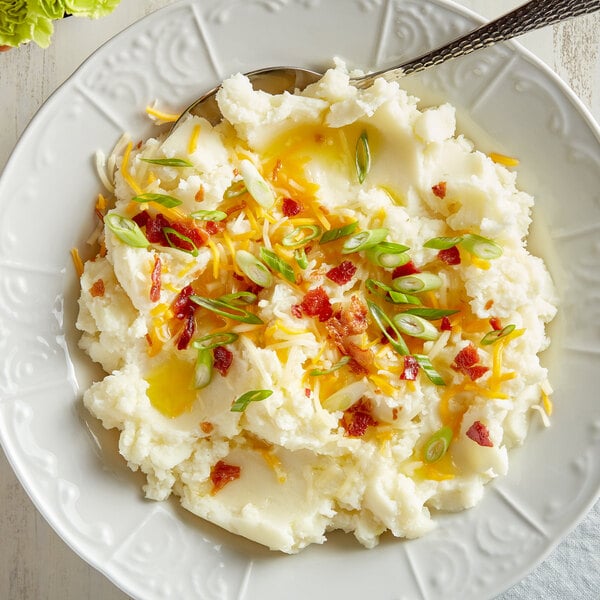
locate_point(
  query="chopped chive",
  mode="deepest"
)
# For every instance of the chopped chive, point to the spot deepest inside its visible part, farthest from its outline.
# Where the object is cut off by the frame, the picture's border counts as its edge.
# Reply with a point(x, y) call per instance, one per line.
point(301, 258)
point(237, 188)
point(162, 199)
point(493, 336)
point(362, 157)
point(338, 365)
point(388, 255)
point(443, 243)
point(170, 232)
point(384, 323)
point(126, 230)
point(168, 162)
point(209, 215)
point(226, 310)
point(300, 235)
point(277, 264)
point(239, 298)
point(415, 326)
point(253, 268)
point(203, 369)
point(437, 445)
point(338, 232)
point(481, 247)
point(417, 282)
point(389, 294)
point(241, 403)
point(364, 240)
point(256, 184)
point(432, 314)
point(429, 369)
point(213, 340)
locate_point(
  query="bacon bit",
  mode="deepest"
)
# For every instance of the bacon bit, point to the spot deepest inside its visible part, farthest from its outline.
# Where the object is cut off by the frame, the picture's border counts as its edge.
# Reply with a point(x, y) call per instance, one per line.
point(395, 412)
point(296, 311)
point(149, 339)
point(238, 277)
point(467, 357)
point(411, 369)
point(290, 208)
point(307, 392)
point(182, 305)
point(206, 427)
point(354, 317)
point(97, 289)
point(357, 419)
point(489, 304)
point(439, 189)
point(342, 274)
point(214, 227)
point(445, 325)
point(187, 333)
point(223, 359)
point(199, 197)
point(316, 304)
point(236, 208)
point(155, 280)
point(496, 323)
point(451, 256)
point(406, 269)
point(361, 359)
point(479, 433)
point(155, 234)
point(221, 474)
point(466, 362)
point(142, 218)
point(138, 145)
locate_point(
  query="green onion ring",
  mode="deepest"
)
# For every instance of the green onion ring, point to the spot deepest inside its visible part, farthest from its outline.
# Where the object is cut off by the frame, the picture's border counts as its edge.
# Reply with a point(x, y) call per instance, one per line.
point(168, 162)
point(301, 258)
point(126, 230)
point(214, 340)
point(443, 243)
point(364, 240)
point(203, 369)
point(481, 247)
point(338, 232)
point(429, 369)
point(162, 199)
point(388, 255)
point(437, 445)
point(169, 231)
point(415, 326)
point(417, 282)
point(226, 310)
point(239, 298)
point(338, 365)
point(492, 337)
point(241, 403)
point(253, 268)
point(362, 157)
point(293, 239)
point(277, 264)
point(209, 215)
point(383, 322)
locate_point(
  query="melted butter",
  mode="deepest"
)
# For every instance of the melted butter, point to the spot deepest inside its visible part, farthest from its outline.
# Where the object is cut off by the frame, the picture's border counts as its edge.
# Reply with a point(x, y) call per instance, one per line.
point(170, 387)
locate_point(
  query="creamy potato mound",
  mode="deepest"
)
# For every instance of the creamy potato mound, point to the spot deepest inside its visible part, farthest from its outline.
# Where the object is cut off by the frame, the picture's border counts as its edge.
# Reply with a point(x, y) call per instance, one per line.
point(319, 314)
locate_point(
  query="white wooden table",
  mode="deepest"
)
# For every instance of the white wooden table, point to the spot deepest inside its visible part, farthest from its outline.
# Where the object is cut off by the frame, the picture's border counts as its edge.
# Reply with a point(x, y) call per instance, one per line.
point(35, 563)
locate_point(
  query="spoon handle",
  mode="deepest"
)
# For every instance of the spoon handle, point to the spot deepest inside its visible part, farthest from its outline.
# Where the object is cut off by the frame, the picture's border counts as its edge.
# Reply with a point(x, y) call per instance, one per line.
point(531, 15)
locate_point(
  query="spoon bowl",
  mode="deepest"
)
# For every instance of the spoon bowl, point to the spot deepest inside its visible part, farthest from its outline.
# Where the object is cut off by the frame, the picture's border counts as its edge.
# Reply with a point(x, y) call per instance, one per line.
point(532, 15)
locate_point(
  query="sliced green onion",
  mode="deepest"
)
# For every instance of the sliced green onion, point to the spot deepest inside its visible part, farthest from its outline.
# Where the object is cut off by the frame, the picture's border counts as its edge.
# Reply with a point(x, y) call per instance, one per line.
point(126, 230)
point(239, 298)
point(300, 235)
point(227, 310)
point(388, 255)
point(213, 340)
point(162, 199)
point(443, 243)
point(277, 264)
point(168, 162)
point(402, 298)
point(253, 268)
point(437, 445)
point(429, 369)
point(338, 232)
point(301, 258)
point(377, 287)
point(203, 369)
point(169, 231)
point(256, 184)
point(415, 326)
point(432, 314)
point(417, 282)
point(364, 240)
point(362, 157)
point(244, 400)
point(338, 365)
point(384, 322)
point(481, 247)
point(237, 188)
point(493, 336)
point(208, 215)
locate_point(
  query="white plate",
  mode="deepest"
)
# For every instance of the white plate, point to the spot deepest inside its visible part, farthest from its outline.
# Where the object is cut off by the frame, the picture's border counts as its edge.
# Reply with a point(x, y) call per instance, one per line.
point(70, 466)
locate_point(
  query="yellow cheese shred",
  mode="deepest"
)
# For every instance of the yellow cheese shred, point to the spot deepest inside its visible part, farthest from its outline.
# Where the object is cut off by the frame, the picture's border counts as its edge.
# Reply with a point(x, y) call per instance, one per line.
point(77, 262)
point(502, 159)
point(125, 172)
point(193, 143)
point(159, 115)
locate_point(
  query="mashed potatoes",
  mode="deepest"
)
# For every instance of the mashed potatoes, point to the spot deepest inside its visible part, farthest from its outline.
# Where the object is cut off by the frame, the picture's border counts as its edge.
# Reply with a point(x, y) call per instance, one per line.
point(320, 314)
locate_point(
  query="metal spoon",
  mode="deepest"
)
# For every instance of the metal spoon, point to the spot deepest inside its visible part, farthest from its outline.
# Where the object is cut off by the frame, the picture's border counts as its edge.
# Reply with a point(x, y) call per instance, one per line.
point(528, 17)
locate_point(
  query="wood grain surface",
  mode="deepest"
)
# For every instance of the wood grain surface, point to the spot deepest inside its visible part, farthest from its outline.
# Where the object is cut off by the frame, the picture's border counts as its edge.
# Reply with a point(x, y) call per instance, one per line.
point(35, 563)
